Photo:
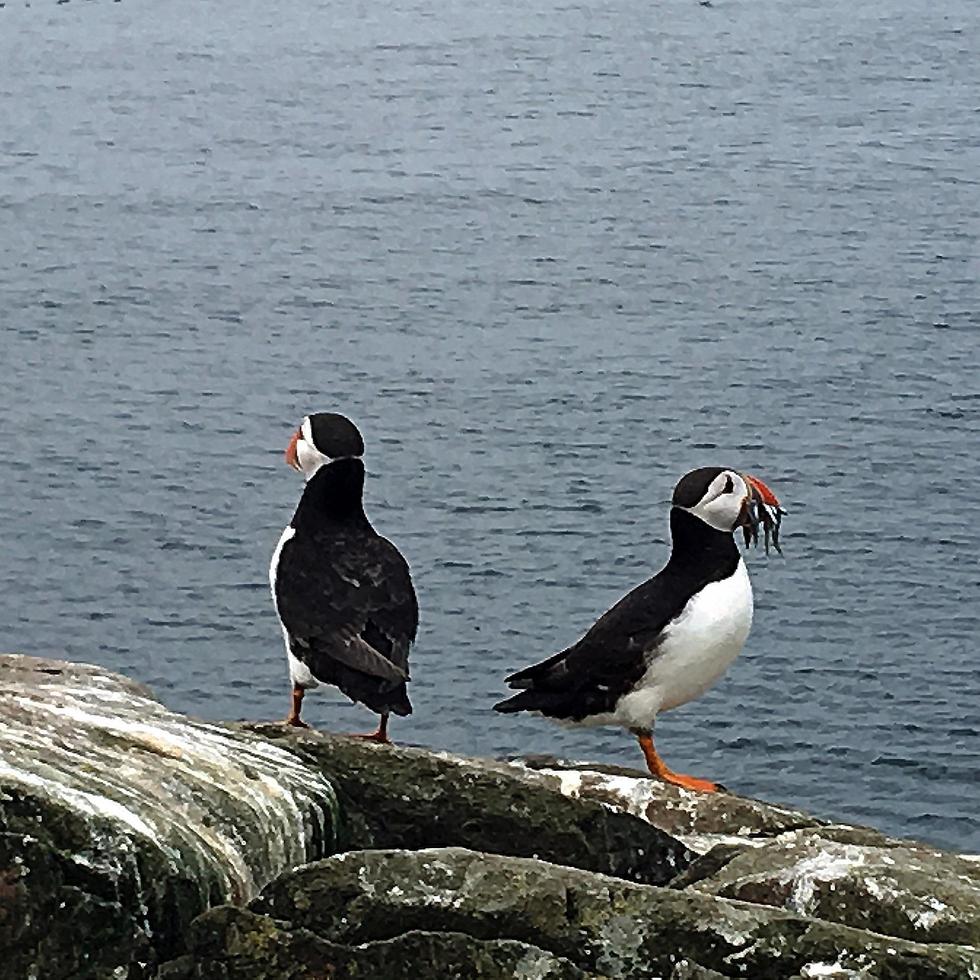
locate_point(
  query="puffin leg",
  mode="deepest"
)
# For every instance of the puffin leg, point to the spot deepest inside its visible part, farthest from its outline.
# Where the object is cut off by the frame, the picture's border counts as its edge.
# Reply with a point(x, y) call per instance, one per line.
point(381, 735)
point(658, 767)
point(293, 717)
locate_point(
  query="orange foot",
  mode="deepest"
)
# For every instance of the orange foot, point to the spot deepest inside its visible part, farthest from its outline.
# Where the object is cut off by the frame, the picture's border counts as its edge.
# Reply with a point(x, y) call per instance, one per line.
point(658, 767)
point(689, 782)
point(293, 717)
point(380, 736)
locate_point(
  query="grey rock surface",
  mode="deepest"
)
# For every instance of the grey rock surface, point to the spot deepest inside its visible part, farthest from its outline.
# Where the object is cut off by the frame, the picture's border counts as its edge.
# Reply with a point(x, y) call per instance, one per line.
point(859, 878)
point(773, 855)
point(397, 797)
point(132, 839)
point(235, 944)
point(120, 821)
point(605, 926)
point(701, 820)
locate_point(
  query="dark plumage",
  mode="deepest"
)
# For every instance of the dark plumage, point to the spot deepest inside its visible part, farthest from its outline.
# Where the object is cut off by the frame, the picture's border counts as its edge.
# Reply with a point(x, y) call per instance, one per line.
point(669, 639)
point(335, 435)
point(589, 677)
point(344, 593)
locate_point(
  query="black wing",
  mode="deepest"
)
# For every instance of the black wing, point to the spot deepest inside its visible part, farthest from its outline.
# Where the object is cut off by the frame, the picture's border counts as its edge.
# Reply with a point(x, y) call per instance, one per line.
point(590, 676)
point(347, 595)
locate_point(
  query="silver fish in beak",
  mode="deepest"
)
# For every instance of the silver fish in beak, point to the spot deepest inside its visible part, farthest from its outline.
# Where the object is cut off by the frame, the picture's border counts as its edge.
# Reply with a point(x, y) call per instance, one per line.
point(761, 509)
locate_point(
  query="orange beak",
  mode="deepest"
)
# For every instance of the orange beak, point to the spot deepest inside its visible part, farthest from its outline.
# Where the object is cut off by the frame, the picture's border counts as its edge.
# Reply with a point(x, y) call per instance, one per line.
point(291, 458)
point(764, 493)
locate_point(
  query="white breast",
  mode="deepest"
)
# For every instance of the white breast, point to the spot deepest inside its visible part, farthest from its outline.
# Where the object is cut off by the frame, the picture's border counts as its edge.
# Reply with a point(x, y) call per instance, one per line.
point(286, 535)
point(299, 673)
point(696, 649)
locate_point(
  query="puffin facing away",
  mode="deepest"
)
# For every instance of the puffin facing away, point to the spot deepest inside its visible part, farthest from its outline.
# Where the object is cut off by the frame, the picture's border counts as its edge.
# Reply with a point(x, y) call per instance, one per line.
point(671, 638)
point(343, 593)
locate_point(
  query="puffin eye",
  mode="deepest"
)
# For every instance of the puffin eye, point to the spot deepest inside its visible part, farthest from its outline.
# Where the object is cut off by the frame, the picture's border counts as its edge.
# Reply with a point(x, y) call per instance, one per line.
point(729, 486)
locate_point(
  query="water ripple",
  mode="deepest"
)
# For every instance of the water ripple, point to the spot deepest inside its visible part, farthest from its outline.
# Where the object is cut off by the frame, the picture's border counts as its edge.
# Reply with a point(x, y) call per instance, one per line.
point(549, 258)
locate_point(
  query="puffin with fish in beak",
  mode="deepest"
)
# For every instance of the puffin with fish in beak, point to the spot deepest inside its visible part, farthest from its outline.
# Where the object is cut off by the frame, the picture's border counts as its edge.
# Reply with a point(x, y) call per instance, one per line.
point(343, 593)
point(671, 638)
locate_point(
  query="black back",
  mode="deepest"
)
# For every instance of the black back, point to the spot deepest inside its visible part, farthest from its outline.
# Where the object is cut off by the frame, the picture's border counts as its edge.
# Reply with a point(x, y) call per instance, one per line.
point(590, 676)
point(345, 594)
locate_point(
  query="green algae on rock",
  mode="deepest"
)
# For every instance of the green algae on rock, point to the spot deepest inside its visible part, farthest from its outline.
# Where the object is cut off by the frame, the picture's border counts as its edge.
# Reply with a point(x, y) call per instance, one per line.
point(121, 823)
point(860, 878)
point(701, 820)
point(120, 820)
point(235, 944)
point(401, 797)
point(605, 926)
point(773, 855)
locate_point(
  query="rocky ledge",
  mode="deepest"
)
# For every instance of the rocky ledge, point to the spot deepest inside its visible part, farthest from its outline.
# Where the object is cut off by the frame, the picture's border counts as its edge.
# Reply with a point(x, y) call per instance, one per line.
point(137, 843)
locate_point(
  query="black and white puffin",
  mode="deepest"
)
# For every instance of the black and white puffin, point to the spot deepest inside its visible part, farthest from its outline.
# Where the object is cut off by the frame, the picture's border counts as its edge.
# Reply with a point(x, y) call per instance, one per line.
point(666, 642)
point(343, 593)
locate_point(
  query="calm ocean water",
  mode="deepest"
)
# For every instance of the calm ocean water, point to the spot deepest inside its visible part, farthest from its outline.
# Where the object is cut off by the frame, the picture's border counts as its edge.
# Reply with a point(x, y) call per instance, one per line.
point(549, 258)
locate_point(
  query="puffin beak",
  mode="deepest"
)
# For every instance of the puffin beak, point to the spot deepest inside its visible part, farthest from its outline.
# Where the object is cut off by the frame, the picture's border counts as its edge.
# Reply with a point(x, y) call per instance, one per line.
point(291, 458)
point(760, 491)
point(760, 509)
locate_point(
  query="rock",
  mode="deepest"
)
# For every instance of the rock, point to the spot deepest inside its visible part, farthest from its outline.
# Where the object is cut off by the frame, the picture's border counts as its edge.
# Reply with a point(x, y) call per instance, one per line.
point(707, 865)
point(121, 821)
point(413, 798)
point(234, 944)
point(686, 970)
point(604, 925)
point(129, 834)
point(701, 820)
point(761, 853)
point(859, 878)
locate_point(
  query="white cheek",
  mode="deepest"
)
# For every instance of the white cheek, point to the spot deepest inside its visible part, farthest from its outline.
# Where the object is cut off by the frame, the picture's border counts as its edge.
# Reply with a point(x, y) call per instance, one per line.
point(309, 459)
point(722, 512)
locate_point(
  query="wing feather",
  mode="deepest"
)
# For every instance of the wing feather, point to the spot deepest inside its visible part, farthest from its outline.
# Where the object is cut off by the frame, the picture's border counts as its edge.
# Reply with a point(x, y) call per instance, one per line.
point(348, 595)
point(617, 644)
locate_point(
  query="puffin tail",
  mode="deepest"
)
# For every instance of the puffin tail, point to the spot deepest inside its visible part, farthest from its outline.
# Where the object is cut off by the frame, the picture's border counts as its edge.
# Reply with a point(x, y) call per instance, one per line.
point(518, 702)
point(529, 676)
point(528, 701)
point(542, 687)
point(398, 703)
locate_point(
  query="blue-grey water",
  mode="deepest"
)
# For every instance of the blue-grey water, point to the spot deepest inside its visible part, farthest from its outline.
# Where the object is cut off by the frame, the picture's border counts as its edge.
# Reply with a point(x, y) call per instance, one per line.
point(549, 257)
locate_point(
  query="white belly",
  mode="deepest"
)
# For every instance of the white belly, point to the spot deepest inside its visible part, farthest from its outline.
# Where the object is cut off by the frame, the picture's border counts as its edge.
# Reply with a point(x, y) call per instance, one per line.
point(299, 673)
point(286, 535)
point(696, 649)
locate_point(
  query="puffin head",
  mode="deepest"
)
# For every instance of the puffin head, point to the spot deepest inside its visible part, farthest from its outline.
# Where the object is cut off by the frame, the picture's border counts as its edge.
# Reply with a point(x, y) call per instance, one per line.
point(726, 500)
point(321, 438)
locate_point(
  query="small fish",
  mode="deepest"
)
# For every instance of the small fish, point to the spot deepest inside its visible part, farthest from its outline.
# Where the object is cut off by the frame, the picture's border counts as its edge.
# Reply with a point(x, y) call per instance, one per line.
point(769, 517)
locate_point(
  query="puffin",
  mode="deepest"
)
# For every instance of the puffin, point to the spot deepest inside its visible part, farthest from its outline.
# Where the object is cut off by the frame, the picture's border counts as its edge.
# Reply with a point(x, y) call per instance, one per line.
point(672, 637)
point(342, 592)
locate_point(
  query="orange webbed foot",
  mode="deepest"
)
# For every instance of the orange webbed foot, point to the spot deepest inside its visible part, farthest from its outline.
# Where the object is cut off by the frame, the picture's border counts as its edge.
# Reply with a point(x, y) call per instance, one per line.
point(690, 782)
point(659, 768)
point(293, 718)
point(380, 737)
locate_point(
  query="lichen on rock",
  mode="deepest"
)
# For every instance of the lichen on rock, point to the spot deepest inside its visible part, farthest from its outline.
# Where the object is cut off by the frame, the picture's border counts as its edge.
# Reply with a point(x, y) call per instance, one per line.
point(235, 944)
point(120, 820)
point(860, 878)
point(605, 926)
point(131, 837)
point(701, 820)
point(402, 797)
